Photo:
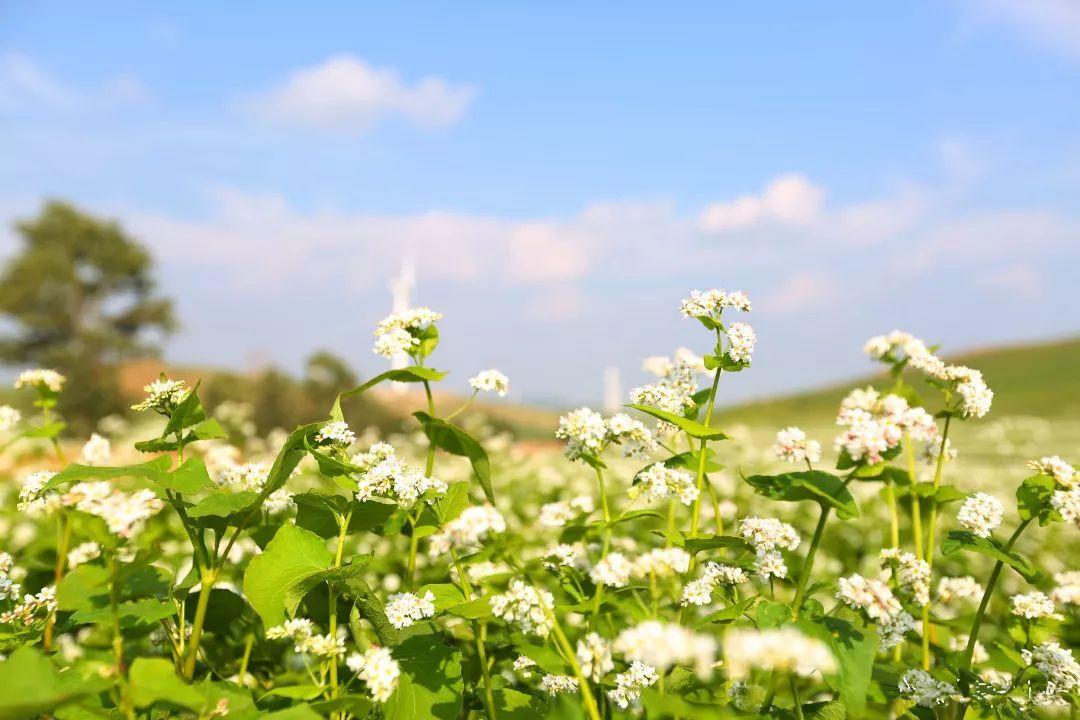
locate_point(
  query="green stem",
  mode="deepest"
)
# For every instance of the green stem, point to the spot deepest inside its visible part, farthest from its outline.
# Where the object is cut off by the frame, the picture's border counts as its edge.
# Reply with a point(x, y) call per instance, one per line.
point(696, 514)
point(804, 578)
point(249, 642)
point(63, 540)
point(931, 541)
point(916, 510)
point(343, 531)
point(118, 640)
point(587, 698)
point(598, 597)
point(209, 577)
point(463, 407)
point(795, 697)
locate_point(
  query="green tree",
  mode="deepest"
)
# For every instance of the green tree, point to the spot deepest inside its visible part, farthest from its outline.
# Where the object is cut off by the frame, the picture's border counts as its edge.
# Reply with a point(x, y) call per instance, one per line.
point(79, 296)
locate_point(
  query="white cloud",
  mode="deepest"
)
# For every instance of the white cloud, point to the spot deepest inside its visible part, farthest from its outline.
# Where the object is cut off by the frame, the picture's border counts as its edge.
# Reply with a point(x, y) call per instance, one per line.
point(25, 85)
point(789, 200)
point(1043, 23)
point(346, 95)
point(802, 292)
point(1018, 280)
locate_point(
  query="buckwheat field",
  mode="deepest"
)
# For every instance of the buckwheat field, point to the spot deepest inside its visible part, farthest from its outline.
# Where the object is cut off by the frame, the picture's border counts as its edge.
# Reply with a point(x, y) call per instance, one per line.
point(887, 561)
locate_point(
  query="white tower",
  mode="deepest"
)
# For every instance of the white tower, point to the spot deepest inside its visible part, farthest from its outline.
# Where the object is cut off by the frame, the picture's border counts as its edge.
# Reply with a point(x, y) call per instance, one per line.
point(401, 290)
point(613, 398)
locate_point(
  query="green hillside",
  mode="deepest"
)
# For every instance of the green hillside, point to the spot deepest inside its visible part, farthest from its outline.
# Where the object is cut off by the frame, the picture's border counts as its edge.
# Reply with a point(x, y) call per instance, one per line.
point(1041, 379)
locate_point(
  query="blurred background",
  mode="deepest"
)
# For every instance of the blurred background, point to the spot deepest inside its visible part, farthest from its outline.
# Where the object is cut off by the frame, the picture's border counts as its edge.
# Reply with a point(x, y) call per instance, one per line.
point(231, 194)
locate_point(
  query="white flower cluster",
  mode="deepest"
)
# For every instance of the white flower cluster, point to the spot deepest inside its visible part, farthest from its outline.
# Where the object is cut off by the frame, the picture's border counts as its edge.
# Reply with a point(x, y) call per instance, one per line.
point(661, 563)
point(659, 482)
point(162, 396)
point(954, 589)
point(741, 342)
point(9, 589)
point(876, 601)
point(491, 381)
point(587, 433)
point(594, 656)
point(895, 346)
point(981, 513)
point(1060, 668)
point(251, 477)
point(32, 500)
point(564, 555)
point(711, 303)
point(557, 514)
point(912, 574)
point(1063, 473)
point(769, 536)
point(124, 513)
point(791, 445)
point(32, 608)
point(1067, 503)
point(675, 390)
point(83, 553)
point(9, 417)
point(699, 592)
point(96, 451)
point(336, 432)
point(612, 570)
point(924, 689)
point(305, 640)
point(378, 669)
point(1067, 591)
point(628, 685)
point(404, 609)
point(663, 645)
point(1066, 497)
point(781, 649)
point(876, 424)
point(40, 378)
point(558, 684)
point(398, 334)
point(383, 474)
point(468, 530)
point(1032, 606)
point(527, 607)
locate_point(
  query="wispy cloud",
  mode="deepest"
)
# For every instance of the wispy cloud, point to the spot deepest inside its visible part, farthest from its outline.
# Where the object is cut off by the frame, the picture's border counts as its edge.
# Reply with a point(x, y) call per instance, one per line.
point(27, 86)
point(1053, 24)
point(347, 95)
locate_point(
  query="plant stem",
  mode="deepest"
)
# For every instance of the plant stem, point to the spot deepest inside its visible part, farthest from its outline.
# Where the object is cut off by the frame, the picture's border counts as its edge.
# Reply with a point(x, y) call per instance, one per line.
point(343, 531)
point(973, 636)
point(587, 699)
point(930, 542)
point(819, 531)
point(63, 540)
point(249, 642)
point(209, 577)
point(598, 597)
point(479, 636)
point(696, 514)
point(118, 640)
point(795, 697)
point(916, 510)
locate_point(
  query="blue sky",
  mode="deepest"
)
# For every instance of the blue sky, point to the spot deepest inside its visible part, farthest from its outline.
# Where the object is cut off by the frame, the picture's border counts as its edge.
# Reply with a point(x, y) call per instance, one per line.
point(562, 175)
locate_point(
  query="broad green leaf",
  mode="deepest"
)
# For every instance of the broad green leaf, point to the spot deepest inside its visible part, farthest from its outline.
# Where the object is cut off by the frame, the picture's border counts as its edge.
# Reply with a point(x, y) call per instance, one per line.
point(1033, 499)
point(691, 427)
point(149, 470)
point(45, 431)
point(368, 606)
point(190, 477)
point(154, 680)
point(430, 685)
point(713, 542)
point(690, 461)
point(223, 503)
point(359, 705)
point(296, 712)
point(854, 649)
point(474, 609)
point(445, 595)
point(731, 613)
point(516, 705)
point(958, 540)
point(188, 412)
point(133, 613)
point(33, 687)
point(454, 440)
point(834, 710)
point(405, 375)
point(296, 692)
point(296, 591)
point(292, 555)
point(771, 614)
point(823, 488)
point(453, 502)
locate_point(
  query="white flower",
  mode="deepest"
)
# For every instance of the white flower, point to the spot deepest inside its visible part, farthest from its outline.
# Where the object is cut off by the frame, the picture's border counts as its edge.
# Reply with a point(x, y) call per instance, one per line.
point(912, 574)
point(584, 431)
point(522, 664)
point(395, 342)
point(162, 396)
point(321, 646)
point(780, 649)
point(82, 553)
point(403, 609)
point(1067, 503)
point(924, 689)
point(662, 562)
point(662, 396)
point(379, 671)
point(399, 333)
point(40, 378)
point(9, 417)
point(699, 591)
point(1067, 591)
point(768, 533)
point(336, 431)
point(981, 513)
point(491, 381)
point(383, 474)
point(1032, 606)
point(1063, 473)
point(125, 514)
point(278, 501)
point(958, 643)
point(468, 530)
point(563, 555)
point(628, 684)
point(558, 684)
point(1061, 670)
point(711, 303)
point(96, 451)
point(32, 608)
point(792, 445)
point(953, 589)
point(663, 645)
point(31, 499)
point(659, 482)
point(527, 607)
point(613, 570)
point(594, 656)
point(742, 338)
point(636, 439)
point(296, 630)
point(9, 589)
point(876, 600)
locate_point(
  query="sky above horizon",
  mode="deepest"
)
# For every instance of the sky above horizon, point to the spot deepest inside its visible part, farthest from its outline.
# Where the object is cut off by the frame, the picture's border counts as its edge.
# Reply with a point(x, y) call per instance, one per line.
point(561, 175)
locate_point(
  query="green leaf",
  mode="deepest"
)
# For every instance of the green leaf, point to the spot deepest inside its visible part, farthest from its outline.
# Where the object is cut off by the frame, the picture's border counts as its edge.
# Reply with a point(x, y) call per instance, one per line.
point(150, 470)
point(958, 540)
point(154, 680)
point(1033, 499)
point(771, 614)
point(453, 502)
point(516, 705)
point(45, 431)
point(292, 555)
point(430, 685)
point(134, 613)
point(445, 595)
point(190, 477)
point(289, 456)
point(454, 440)
point(823, 488)
point(714, 542)
point(368, 606)
point(854, 649)
point(33, 687)
point(691, 427)
point(188, 412)
point(296, 692)
point(405, 375)
point(834, 710)
point(223, 503)
point(474, 609)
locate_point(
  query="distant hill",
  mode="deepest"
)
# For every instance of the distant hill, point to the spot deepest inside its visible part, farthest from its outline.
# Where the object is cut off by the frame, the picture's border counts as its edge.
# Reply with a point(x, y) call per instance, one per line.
point(1040, 379)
